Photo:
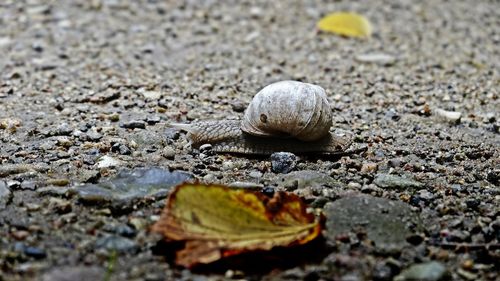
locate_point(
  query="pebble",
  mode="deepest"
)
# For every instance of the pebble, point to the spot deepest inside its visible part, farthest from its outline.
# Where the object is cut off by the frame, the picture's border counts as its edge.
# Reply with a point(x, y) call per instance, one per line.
point(283, 162)
point(429, 271)
point(255, 174)
point(306, 178)
point(107, 162)
point(28, 185)
point(387, 223)
point(246, 185)
point(396, 182)
point(121, 229)
point(151, 120)
point(169, 152)
point(74, 273)
point(88, 176)
point(238, 106)
point(134, 124)
point(94, 136)
point(151, 95)
point(117, 243)
point(5, 195)
point(450, 116)
point(368, 168)
point(121, 149)
point(35, 252)
point(146, 139)
point(62, 130)
point(377, 58)
point(20, 235)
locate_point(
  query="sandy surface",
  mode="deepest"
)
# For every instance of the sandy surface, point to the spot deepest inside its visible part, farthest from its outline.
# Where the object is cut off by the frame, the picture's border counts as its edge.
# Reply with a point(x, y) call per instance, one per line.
point(80, 80)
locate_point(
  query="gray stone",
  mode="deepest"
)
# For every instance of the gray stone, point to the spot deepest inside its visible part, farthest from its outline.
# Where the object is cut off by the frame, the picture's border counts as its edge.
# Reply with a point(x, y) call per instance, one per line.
point(246, 185)
point(94, 136)
point(134, 124)
point(306, 178)
point(129, 186)
point(73, 273)
point(5, 195)
point(429, 271)
point(387, 223)
point(117, 243)
point(146, 138)
point(396, 182)
point(283, 162)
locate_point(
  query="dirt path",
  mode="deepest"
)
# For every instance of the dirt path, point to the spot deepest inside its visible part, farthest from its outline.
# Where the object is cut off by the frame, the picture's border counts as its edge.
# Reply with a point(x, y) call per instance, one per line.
point(80, 80)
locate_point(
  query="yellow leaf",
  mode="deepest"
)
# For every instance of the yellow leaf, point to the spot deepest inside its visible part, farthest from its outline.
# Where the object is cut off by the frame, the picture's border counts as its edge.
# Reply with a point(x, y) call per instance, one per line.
point(216, 221)
point(346, 24)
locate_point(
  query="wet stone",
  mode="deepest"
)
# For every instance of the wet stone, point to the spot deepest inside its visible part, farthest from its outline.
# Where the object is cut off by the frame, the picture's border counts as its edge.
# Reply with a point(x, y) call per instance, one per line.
point(387, 223)
point(117, 243)
point(430, 271)
point(283, 162)
point(129, 186)
point(396, 182)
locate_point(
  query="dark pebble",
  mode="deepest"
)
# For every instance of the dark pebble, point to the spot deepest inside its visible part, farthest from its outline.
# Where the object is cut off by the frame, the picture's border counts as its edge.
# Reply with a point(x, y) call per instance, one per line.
point(493, 177)
point(151, 120)
point(268, 191)
point(172, 134)
point(134, 124)
point(30, 251)
point(472, 203)
point(121, 149)
point(283, 162)
point(35, 252)
point(238, 106)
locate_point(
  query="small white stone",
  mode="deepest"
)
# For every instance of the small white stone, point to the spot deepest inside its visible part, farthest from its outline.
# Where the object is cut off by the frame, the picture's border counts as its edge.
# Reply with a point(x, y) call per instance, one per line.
point(152, 95)
point(378, 58)
point(452, 116)
point(107, 162)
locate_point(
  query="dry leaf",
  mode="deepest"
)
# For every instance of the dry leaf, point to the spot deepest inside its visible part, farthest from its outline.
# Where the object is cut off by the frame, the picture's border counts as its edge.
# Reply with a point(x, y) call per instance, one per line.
point(216, 222)
point(346, 24)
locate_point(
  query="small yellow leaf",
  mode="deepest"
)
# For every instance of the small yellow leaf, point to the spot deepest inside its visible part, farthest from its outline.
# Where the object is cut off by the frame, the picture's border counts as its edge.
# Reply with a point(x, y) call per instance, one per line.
point(346, 24)
point(216, 221)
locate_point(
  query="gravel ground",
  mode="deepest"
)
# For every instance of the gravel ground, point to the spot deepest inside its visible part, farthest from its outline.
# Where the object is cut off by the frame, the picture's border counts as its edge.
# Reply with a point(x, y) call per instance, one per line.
point(87, 89)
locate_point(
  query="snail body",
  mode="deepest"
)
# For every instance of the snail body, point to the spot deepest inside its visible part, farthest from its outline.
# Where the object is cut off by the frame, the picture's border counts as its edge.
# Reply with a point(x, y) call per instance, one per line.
point(284, 116)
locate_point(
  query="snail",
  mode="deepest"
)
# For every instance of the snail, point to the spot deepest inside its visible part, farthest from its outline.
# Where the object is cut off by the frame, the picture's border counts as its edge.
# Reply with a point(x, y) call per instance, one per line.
point(284, 116)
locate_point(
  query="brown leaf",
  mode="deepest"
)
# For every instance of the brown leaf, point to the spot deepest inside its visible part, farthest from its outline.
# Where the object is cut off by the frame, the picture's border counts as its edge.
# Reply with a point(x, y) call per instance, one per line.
point(216, 221)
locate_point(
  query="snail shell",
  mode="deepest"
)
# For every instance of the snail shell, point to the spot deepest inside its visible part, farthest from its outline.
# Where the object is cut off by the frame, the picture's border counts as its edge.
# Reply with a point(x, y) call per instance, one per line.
point(281, 117)
point(289, 108)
